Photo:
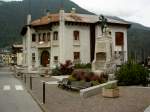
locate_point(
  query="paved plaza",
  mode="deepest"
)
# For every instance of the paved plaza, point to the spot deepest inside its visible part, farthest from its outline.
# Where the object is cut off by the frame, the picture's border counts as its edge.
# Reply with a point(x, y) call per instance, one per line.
point(132, 99)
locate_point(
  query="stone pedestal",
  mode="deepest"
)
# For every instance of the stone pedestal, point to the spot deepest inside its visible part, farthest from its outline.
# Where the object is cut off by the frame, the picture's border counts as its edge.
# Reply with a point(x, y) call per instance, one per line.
point(103, 52)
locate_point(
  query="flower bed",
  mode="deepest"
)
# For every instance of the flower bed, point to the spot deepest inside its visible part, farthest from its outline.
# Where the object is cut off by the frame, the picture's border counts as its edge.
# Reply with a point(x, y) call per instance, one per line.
point(87, 76)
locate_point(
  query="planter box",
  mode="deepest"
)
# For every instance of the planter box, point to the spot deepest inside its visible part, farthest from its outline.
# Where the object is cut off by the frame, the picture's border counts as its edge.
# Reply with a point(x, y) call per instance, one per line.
point(110, 93)
point(94, 89)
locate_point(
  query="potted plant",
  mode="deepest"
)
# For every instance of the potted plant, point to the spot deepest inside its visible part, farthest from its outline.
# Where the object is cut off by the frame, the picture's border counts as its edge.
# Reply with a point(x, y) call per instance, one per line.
point(110, 91)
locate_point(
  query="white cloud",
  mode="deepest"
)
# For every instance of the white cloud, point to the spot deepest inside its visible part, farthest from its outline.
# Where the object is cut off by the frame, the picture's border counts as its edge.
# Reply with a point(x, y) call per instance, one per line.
point(10, 0)
point(132, 10)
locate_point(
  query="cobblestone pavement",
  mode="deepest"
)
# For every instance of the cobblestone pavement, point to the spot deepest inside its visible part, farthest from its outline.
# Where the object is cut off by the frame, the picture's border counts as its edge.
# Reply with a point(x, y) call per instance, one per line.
point(132, 99)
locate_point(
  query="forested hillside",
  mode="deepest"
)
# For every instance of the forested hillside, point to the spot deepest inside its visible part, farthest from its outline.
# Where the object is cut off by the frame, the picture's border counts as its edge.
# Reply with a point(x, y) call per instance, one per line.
point(13, 17)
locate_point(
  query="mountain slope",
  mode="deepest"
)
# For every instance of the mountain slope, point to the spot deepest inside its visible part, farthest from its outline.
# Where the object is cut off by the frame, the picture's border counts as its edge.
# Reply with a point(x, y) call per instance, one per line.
point(13, 17)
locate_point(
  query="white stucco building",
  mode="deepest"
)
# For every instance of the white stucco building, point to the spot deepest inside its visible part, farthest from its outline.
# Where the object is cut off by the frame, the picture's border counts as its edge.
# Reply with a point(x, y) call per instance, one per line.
point(54, 38)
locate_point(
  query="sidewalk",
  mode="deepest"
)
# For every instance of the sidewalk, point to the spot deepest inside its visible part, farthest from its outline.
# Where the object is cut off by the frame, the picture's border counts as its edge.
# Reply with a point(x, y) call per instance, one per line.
point(13, 96)
point(131, 99)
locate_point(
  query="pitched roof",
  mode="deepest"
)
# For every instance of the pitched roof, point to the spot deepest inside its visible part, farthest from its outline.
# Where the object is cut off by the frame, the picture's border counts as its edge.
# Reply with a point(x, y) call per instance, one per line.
point(17, 45)
point(73, 17)
point(46, 20)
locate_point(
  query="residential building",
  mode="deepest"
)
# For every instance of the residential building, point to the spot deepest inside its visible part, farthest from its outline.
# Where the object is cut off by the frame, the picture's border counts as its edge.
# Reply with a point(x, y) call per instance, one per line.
point(17, 54)
point(54, 38)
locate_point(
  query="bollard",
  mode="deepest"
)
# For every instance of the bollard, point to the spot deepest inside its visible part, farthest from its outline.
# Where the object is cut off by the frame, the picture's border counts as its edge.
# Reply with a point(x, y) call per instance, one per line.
point(43, 92)
point(25, 78)
point(31, 82)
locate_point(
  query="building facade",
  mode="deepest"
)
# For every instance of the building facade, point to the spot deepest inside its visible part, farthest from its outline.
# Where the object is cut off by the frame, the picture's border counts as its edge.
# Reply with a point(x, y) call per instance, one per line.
point(17, 52)
point(55, 38)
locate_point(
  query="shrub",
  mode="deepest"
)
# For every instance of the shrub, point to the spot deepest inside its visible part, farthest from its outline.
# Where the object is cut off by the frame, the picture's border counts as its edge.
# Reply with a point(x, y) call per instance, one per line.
point(71, 78)
point(64, 69)
point(103, 77)
point(89, 76)
point(56, 71)
point(94, 83)
point(111, 86)
point(83, 66)
point(80, 75)
point(132, 74)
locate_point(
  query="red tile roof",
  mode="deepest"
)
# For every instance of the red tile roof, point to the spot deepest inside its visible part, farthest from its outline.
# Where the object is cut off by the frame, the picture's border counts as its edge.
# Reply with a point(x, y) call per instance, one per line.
point(83, 18)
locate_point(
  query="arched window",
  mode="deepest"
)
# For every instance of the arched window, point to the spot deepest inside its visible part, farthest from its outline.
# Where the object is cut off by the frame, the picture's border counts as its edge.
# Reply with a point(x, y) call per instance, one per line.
point(76, 35)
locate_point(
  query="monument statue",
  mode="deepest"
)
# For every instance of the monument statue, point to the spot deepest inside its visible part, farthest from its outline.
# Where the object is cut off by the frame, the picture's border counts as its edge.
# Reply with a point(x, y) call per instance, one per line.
point(103, 23)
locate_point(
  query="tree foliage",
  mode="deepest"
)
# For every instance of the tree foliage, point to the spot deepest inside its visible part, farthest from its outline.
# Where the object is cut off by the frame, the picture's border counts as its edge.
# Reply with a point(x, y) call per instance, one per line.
point(132, 74)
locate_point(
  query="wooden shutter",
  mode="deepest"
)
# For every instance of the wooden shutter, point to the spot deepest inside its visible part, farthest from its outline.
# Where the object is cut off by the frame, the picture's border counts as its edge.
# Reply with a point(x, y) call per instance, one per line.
point(119, 38)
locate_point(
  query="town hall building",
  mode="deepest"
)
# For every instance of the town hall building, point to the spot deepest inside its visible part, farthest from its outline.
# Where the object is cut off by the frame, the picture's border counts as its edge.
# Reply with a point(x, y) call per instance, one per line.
point(55, 38)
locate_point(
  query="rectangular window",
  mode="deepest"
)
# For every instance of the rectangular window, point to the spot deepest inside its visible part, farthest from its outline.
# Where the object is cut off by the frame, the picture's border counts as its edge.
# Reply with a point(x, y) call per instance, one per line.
point(119, 38)
point(33, 57)
point(44, 37)
point(48, 36)
point(76, 55)
point(33, 38)
point(55, 58)
point(55, 35)
point(76, 35)
point(39, 36)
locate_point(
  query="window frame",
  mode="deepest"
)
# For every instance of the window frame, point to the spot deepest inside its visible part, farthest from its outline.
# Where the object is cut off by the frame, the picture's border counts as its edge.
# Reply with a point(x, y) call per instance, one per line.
point(55, 58)
point(33, 57)
point(55, 35)
point(119, 38)
point(33, 37)
point(76, 55)
point(76, 35)
point(49, 36)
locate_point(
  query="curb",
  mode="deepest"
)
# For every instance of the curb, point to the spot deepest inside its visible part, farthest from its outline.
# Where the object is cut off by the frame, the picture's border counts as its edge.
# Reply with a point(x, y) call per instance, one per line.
point(37, 101)
point(147, 109)
point(30, 92)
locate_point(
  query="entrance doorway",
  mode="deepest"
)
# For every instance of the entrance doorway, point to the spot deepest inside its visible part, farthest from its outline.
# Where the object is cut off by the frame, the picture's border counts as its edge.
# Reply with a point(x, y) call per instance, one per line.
point(45, 58)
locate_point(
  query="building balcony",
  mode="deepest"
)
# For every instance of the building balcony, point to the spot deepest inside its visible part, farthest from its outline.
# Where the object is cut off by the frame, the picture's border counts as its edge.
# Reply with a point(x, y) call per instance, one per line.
point(41, 44)
point(44, 45)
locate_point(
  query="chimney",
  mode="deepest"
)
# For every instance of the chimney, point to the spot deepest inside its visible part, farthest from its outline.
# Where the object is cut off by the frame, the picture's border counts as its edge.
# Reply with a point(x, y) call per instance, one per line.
point(62, 12)
point(73, 10)
point(47, 12)
point(28, 19)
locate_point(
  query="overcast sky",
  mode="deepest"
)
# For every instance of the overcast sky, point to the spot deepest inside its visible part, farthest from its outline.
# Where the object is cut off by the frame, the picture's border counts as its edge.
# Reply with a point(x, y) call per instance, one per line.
point(131, 10)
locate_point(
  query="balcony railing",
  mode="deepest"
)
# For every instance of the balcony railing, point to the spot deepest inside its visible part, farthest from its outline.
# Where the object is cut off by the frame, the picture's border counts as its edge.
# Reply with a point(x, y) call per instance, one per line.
point(41, 44)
